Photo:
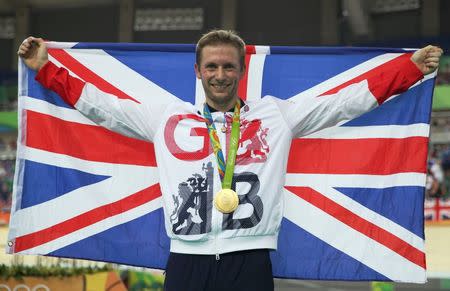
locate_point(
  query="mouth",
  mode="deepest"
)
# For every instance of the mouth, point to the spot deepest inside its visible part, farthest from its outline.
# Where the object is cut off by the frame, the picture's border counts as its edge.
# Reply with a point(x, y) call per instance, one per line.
point(220, 86)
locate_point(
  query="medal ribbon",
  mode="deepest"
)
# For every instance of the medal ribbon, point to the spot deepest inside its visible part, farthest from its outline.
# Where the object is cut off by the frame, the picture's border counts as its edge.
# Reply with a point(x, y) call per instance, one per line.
point(225, 170)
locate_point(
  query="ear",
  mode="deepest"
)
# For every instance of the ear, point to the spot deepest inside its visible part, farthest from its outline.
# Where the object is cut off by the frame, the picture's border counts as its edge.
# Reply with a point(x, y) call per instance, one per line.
point(197, 71)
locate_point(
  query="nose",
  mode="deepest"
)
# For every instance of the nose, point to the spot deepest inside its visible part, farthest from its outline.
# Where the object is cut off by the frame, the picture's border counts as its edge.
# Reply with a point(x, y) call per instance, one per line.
point(220, 73)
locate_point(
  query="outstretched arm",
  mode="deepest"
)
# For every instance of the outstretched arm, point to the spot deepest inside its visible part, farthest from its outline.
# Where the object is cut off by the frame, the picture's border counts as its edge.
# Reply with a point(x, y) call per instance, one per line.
point(125, 116)
point(361, 94)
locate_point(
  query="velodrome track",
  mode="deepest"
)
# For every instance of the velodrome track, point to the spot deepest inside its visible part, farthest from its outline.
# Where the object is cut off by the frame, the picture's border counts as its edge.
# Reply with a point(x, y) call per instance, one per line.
point(298, 285)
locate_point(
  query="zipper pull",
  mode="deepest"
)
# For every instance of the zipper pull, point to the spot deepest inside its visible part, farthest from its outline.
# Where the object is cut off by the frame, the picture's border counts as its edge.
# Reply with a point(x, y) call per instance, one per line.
point(217, 257)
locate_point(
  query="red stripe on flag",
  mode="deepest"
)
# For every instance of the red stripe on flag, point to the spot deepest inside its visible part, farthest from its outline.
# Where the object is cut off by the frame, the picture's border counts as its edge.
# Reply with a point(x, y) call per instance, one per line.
point(242, 89)
point(88, 142)
point(87, 75)
point(361, 225)
point(378, 85)
point(377, 156)
point(95, 215)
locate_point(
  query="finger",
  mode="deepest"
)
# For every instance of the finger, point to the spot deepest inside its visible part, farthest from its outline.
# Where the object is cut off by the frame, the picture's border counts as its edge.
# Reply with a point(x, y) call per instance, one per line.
point(436, 50)
point(23, 53)
point(23, 50)
point(432, 50)
point(434, 55)
point(28, 40)
point(432, 65)
point(22, 47)
point(432, 59)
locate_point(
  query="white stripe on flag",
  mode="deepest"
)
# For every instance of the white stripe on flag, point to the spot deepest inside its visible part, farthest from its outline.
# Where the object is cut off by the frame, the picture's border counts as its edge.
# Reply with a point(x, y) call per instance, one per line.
point(58, 64)
point(345, 76)
point(262, 49)
point(353, 180)
point(109, 190)
point(351, 242)
point(60, 45)
point(122, 76)
point(62, 113)
point(377, 131)
point(199, 93)
point(372, 216)
point(255, 76)
point(96, 228)
point(66, 161)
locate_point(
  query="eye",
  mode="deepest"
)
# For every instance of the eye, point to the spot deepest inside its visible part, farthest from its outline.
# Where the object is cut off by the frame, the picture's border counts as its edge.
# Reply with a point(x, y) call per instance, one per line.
point(229, 67)
point(210, 66)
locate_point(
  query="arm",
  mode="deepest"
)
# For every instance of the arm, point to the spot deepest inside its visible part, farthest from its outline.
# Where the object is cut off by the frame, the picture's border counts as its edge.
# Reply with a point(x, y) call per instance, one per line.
point(359, 95)
point(125, 116)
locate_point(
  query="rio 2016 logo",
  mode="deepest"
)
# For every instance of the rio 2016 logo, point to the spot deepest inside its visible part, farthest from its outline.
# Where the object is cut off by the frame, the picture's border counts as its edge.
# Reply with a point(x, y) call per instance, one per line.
point(24, 287)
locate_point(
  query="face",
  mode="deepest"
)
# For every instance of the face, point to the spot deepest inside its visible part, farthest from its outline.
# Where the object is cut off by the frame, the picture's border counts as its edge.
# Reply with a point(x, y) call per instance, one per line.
point(220, 72)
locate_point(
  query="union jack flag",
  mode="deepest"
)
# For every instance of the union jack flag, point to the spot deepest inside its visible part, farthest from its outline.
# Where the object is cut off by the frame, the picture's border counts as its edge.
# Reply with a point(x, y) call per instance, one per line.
point(437, 209)
point(354, 193)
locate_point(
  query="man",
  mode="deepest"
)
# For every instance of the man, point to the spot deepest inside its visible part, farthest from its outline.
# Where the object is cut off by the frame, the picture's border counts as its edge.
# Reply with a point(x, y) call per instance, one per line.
point(223, 214)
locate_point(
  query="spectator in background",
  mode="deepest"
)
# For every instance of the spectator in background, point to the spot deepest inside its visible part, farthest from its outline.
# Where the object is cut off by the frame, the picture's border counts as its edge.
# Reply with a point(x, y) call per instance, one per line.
point(446, 179)
point(4, 194)
point(6, 181)
point(432, 185)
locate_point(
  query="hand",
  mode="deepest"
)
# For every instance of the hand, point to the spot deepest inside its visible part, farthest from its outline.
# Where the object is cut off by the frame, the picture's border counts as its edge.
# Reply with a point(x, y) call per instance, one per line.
point(427, 59)
point(33, 52)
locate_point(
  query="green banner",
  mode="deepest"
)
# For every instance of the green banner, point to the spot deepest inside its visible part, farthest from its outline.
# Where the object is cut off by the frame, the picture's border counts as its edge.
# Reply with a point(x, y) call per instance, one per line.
point(8, 119)
point(145, 281)
point(382, 286)
point(441, 97)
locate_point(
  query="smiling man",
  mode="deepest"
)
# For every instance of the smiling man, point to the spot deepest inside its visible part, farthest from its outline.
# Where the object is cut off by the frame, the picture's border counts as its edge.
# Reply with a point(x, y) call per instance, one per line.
point(223, 211)
point(220, 66)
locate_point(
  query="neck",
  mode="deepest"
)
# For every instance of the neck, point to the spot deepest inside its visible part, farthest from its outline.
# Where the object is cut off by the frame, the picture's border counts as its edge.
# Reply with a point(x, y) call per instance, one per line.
point(222, 107)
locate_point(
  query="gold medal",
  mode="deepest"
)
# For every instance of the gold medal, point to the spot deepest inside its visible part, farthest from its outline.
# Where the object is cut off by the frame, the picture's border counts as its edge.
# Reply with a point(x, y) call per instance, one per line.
point(226, 201)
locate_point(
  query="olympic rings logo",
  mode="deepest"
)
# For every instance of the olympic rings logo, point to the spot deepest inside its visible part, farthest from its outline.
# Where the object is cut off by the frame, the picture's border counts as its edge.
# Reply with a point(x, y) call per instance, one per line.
point(23, 287)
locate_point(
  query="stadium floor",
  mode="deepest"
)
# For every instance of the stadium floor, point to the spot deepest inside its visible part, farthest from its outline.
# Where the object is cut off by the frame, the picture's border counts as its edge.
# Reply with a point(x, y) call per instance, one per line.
point(299, 285)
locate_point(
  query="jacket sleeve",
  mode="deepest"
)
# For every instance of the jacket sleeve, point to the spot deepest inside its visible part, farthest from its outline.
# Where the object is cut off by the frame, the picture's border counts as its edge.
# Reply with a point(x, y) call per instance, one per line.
point(125, 116)
point(309, 114)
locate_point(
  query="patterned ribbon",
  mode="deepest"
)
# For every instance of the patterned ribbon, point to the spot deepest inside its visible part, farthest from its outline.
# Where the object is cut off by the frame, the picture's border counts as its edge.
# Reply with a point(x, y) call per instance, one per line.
point(225, 170)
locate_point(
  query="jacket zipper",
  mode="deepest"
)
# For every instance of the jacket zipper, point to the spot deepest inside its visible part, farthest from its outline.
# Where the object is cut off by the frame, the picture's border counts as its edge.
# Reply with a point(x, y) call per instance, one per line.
point(223, 132)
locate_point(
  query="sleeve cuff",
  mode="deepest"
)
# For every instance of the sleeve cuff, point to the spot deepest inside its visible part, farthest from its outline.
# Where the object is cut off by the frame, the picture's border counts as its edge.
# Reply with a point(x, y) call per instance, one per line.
point(412, 71)
point(46, 74)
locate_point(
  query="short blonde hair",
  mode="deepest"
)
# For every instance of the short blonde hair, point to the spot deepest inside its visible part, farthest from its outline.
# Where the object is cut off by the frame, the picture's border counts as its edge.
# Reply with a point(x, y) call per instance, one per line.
point(218, 36)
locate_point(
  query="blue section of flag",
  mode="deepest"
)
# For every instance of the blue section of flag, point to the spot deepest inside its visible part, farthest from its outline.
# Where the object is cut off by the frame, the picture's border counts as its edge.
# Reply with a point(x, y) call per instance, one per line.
point(398, 204)
point(46, 182)
point(337, 51)
point(35, 90)
point(140, 47)
point(284, 75)
point(279, 50)
point(164, 70)
point(411, 107)
point(298, 256)
point(145, 243)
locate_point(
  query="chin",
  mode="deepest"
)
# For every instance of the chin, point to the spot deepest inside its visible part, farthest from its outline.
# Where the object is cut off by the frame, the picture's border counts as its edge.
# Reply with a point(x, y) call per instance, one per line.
point(222, 99)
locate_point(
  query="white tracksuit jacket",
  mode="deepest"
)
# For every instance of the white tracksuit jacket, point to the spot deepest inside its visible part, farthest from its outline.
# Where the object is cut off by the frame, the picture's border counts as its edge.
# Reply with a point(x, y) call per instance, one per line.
point(187, 166)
